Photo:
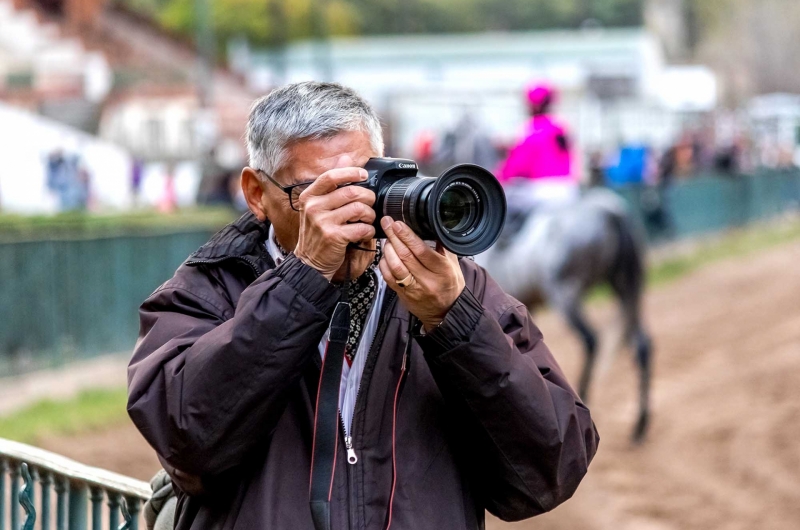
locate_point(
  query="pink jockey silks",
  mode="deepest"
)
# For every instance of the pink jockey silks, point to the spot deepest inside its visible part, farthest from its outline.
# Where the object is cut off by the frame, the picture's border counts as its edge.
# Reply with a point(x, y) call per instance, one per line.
point(542, 154)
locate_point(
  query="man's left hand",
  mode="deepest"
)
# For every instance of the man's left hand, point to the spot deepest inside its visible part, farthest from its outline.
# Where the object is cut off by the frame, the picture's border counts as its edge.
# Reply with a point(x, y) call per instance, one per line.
point(433, 279)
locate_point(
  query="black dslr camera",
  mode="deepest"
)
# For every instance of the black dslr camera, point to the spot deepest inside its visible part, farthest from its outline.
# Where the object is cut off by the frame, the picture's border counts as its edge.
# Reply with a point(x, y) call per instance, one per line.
point(464, 208)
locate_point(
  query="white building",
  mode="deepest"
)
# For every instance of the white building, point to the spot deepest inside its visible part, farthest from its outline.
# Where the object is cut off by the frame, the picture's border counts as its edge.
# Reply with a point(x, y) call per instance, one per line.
point(615, 83)
point(28, 139)
point(35, 57)
point(154, 128)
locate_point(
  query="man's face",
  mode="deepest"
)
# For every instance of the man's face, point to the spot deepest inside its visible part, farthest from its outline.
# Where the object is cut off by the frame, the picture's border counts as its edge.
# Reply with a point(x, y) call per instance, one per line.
point(307, 160)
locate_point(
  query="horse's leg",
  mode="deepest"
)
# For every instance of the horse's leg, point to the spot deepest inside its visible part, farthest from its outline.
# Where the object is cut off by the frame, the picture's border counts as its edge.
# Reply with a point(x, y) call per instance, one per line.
point(568, 302)
point(644, 362)
point(636, 335)
point(627, 277)
point(578, 321)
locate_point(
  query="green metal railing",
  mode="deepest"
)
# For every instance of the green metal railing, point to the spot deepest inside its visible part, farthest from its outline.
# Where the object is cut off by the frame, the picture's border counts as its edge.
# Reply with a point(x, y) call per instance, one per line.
point(62, 299)
point(80, 493)
point(710, 203)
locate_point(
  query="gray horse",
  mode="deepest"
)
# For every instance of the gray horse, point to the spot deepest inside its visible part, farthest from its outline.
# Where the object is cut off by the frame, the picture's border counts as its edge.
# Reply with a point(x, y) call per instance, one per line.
point(559, 254)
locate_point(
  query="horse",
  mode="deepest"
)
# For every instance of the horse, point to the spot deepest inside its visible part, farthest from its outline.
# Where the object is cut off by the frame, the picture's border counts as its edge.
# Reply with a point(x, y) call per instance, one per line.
point(559, 254)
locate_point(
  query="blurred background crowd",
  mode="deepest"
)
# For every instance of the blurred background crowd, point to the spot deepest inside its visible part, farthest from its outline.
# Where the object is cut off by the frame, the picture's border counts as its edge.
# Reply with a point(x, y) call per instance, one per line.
point(142, 103)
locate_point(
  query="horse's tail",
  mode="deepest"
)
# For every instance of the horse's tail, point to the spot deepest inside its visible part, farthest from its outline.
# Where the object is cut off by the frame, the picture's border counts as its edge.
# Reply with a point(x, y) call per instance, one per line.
point(628, 281)
point(627, 278)
point(627, 273)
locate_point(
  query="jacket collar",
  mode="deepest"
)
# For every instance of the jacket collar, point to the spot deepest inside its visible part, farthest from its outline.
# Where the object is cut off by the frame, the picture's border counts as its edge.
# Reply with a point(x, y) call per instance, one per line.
point(241, 240)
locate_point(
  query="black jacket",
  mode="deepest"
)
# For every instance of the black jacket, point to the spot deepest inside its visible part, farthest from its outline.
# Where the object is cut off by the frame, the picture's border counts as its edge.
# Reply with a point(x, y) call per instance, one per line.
point(223, 381)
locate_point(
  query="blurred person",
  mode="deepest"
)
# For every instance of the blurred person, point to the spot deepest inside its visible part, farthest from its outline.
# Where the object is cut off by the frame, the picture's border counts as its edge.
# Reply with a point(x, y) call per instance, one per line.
point(703, 149)
point(214, 181)
point(630, 165)
point(238, 199)
point(467, 411)
point(465, 143)
point(726, 159)
point(137, 174)
point(538, 169)
point(83, 188)
point(61, 172)
point(654, 199)
point(597, 170)
point(423, 147)
point(168, 201)
point(682, 159)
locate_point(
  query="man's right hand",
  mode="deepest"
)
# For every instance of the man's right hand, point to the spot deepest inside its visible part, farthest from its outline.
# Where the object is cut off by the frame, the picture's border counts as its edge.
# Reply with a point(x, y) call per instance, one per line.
point(332, 217)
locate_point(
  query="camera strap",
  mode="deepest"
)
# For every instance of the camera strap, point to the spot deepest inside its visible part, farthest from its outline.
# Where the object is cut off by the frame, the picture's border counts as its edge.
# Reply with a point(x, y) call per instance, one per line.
point(326, 415)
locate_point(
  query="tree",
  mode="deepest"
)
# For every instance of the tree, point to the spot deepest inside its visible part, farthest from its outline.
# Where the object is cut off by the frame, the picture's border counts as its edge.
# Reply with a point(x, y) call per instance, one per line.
point(273, 22)
point(751, 44)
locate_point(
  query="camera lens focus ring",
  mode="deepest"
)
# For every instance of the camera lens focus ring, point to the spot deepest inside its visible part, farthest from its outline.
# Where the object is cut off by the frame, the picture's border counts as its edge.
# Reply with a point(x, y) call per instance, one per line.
point(393, 203)
point(401, 201)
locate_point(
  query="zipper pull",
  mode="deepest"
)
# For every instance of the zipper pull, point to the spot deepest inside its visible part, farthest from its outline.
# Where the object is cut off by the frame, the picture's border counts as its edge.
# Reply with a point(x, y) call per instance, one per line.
point(351, 453)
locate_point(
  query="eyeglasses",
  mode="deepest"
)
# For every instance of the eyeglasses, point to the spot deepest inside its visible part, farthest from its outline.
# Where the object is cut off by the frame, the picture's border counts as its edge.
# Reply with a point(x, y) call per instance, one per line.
point(293, 191)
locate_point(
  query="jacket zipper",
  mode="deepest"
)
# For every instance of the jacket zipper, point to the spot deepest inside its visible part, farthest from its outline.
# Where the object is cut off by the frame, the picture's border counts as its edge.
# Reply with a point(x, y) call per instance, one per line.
point(352, 459)
point(377, 341)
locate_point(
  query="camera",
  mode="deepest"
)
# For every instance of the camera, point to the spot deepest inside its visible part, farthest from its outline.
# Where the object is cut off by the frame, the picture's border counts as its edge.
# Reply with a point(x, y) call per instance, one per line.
point(464, 208)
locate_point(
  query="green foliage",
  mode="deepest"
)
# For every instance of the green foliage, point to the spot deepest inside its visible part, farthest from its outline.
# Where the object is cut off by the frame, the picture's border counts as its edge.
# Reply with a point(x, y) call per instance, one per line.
point(89, 410)
point(617, 12)
point(273, 22)
point(259, 21)
point(79, 224)
point(429, 16)
point(736, 244)
point(711, 13)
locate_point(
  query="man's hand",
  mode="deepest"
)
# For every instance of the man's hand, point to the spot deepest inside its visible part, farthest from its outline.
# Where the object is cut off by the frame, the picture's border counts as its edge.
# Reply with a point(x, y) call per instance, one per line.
point(331, 217)
point(437, 277)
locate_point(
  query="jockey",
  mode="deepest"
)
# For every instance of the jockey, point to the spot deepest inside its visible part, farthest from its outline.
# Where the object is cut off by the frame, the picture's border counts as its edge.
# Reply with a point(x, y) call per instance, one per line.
point(538, 170)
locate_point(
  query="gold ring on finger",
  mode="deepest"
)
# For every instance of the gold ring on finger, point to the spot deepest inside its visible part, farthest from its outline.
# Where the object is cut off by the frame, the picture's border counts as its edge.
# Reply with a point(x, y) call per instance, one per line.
point(407, 281)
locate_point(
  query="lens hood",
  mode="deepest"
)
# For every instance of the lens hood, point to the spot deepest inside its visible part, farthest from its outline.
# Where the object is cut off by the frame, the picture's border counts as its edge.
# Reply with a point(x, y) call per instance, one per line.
point(466, 209)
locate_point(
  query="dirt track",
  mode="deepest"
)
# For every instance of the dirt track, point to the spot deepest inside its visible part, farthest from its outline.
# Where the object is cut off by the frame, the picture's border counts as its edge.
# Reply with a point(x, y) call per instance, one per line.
point(724, 448)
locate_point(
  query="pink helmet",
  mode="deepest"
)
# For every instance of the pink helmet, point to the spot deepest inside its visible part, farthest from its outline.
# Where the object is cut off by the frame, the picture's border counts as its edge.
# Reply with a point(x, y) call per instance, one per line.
point(540, 92)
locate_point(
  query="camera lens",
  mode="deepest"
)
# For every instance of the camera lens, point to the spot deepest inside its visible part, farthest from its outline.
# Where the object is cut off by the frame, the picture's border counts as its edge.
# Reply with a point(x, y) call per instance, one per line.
point(464, 209)
point(458, 208)
point(468, 207)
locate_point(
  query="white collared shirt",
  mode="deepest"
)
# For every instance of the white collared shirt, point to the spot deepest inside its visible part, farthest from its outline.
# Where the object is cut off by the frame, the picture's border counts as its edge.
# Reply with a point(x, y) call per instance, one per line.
point(351, 375)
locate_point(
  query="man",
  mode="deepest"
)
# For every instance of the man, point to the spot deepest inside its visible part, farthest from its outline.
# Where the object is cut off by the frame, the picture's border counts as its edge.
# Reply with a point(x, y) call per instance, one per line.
point(224, 378)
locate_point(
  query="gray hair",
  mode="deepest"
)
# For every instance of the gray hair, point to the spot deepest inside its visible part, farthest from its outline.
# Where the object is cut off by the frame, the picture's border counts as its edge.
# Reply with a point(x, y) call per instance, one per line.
point(307, 110)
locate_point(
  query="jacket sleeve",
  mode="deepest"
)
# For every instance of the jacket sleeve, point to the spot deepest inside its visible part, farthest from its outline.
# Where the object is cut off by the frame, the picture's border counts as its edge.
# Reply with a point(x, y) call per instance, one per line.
point(207, 383)
point(527, 435)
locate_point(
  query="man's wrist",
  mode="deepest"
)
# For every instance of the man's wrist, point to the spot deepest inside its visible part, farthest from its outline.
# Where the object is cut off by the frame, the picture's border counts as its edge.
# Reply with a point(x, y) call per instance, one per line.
point(310, 263)
point(309, 283)
point(431, 323)
point(456, 327)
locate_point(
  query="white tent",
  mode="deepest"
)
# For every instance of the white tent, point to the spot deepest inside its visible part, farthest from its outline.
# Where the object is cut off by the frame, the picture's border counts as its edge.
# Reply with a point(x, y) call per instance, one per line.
point(27, 139)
